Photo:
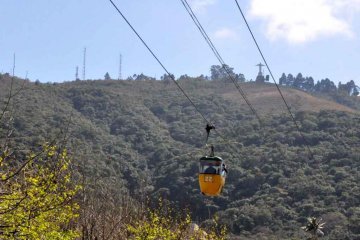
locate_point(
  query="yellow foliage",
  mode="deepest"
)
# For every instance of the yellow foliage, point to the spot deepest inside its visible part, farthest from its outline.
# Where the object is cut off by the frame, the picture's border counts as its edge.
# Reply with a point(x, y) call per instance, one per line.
point(37, 202)
point(163, 226)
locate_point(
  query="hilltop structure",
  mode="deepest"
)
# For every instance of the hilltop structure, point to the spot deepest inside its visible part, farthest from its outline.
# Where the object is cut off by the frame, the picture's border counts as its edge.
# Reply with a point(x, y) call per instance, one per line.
point(260, 77)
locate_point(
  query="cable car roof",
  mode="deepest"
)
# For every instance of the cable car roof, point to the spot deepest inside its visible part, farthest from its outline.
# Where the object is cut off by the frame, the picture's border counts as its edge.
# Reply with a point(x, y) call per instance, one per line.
point(209, 158)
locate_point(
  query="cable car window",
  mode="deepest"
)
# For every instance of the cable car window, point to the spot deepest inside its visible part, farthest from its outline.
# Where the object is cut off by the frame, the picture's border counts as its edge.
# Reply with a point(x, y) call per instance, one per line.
point(210, 167)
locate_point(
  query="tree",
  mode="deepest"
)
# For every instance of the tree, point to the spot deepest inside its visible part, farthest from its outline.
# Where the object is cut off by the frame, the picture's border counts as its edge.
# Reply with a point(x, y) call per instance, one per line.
point(314, 227)
point(184, 77)
point(325, 86)
point(282, 79)
point(143, 77)
point(167, 77)
point(308, 85)
point(221, 73)
point(216, 72)
point(36, 191)
point(356, 91)
point(37, 198)
point(240, 77)
point(349, 88)
point(289, 80)
point(202, 77)
point(299, 81)
point(105, 213)
point(107, 76)
point(162, 223)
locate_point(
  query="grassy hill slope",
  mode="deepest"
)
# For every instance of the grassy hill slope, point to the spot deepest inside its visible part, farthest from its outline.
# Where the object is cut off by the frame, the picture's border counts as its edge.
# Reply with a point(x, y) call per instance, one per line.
point(146, 138)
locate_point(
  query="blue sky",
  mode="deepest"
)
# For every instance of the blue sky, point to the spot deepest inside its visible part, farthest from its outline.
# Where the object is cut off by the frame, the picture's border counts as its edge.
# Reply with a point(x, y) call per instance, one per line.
point(319, 38)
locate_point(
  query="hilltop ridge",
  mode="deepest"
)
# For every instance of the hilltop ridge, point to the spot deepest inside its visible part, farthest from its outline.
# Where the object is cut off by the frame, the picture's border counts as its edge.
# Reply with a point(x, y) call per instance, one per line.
point(145, 138)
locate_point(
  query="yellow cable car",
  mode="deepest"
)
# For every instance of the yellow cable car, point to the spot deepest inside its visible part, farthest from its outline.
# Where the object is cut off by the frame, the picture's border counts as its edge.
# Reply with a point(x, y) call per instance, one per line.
point(212, 172)
point(212, 175)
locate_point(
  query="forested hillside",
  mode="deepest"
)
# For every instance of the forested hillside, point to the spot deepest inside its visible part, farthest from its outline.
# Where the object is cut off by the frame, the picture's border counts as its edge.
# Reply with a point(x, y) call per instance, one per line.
point(143, 139)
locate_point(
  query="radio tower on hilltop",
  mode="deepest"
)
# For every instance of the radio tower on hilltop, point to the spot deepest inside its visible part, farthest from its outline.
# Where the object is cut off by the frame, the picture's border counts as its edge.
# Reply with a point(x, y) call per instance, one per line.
point(13, 69)
point(84, 64)
point(77, 73)
point(120, 66)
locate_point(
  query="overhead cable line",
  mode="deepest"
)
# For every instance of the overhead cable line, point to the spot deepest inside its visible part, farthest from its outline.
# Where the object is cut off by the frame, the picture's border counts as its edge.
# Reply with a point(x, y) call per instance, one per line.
point(272, 77)
point(222, 62)
point(224, 65)
point(162, 65)
point(220, 59)
point(202, 30)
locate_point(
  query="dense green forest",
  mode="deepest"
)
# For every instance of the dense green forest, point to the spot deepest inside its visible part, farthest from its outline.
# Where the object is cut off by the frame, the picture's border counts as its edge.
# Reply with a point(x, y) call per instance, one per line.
point(141, 140)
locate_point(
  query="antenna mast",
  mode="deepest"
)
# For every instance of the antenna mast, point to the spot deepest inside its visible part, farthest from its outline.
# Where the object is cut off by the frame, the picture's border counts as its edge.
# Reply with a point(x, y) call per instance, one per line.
point(120, 66)
point(77, 73)
point(84, 64)
point(13, 70)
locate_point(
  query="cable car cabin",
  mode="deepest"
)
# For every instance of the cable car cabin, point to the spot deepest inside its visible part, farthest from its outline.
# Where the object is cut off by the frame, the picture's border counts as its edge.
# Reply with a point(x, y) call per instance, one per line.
point(211, 175)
